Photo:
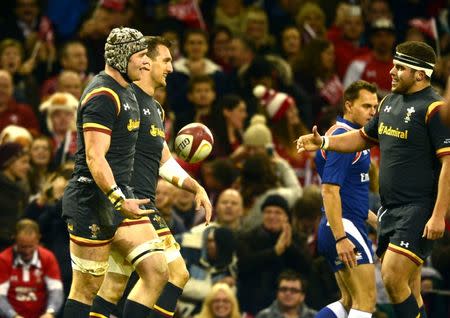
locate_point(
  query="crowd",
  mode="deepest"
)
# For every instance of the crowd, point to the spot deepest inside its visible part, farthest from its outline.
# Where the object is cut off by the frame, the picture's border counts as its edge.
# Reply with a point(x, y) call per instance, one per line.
point(259, 74)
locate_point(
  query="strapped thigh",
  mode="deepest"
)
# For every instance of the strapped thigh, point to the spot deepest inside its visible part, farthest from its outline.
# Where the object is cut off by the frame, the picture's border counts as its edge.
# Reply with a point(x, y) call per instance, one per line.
point(144, 250)
point(95, 268)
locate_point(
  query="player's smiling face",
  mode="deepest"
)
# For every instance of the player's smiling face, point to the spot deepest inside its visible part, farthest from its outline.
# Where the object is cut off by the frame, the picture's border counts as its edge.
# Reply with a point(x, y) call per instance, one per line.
point(161, 66)
point(402, 79)
point(137, 62)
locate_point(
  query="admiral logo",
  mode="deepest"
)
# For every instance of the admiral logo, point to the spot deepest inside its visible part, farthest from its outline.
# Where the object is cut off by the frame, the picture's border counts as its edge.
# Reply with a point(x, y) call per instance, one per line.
point(394, 132)
point(133, 124)
point(155, 131)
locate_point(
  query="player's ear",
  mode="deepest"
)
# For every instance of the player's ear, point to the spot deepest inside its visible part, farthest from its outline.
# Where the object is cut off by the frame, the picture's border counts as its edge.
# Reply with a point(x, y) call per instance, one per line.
point(347, 107)
point(420, 76)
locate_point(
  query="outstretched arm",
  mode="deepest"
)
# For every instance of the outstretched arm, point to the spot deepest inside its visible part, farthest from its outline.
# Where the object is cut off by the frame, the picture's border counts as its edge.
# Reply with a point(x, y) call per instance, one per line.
point(351, 141)
point(171, 171)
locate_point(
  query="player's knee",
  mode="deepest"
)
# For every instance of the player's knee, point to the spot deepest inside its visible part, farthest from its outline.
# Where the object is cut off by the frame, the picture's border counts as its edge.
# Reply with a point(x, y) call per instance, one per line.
point(391, 281)
point(154, 268)
point(180, 276)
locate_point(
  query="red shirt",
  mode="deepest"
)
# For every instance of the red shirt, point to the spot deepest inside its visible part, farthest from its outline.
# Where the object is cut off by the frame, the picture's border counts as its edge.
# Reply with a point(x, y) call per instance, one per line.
point(27, 284)
point(372, 70)
point(20, 115)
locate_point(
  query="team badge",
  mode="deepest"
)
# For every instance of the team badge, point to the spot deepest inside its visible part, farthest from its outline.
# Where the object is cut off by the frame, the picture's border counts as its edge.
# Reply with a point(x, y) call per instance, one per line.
point(95, 230)
point(409, 112)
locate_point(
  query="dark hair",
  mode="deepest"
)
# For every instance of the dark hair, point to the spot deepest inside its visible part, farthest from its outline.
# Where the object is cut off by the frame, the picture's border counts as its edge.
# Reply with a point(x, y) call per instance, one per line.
point(309, 205)
point(152, 44)
point(257, 176)
point(246, 42)
point(309, 64)
point(419, 50)
point(290, 274)
point(190, 32)
point(200, 79)
point(352, 92)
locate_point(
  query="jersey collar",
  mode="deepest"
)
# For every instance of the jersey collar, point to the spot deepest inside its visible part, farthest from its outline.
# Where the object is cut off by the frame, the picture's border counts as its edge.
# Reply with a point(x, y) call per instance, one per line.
point(345, 122)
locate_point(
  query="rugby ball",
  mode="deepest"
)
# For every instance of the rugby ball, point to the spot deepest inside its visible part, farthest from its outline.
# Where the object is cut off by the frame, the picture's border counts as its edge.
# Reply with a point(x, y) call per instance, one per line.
point(193, 142)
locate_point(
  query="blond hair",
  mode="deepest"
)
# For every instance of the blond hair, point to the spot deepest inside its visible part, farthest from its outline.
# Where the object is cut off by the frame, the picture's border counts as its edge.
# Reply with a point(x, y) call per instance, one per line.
point(207, 312)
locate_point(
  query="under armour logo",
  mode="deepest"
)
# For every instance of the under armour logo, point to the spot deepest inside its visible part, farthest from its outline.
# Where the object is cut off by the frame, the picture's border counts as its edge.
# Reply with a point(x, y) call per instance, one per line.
point(160, 113)
point(126, 106)
point(387, 109)
point(409, 112)
point(146, 111)
point(404, 244)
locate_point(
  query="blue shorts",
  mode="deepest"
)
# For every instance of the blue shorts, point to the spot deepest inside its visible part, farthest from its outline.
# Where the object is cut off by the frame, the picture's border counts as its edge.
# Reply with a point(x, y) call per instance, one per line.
point(356, 232)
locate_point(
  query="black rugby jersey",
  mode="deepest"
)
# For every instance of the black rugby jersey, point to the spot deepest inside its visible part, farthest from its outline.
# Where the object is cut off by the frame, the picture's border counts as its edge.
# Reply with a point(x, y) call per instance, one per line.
point(411, 138)
point(149, 146)
point(107, 107)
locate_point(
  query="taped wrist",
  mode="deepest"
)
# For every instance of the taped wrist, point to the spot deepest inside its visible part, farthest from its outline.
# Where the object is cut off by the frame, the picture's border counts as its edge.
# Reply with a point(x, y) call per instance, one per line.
point(173, 172)
point(325, 143)
point(116, 196)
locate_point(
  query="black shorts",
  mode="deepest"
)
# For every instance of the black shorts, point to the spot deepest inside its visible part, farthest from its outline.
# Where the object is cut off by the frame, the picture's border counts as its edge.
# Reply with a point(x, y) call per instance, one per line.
point(400, 230)
point(91, 218)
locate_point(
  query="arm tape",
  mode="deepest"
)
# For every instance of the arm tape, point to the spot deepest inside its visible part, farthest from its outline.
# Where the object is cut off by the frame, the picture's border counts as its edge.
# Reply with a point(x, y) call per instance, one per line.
point(173, 172)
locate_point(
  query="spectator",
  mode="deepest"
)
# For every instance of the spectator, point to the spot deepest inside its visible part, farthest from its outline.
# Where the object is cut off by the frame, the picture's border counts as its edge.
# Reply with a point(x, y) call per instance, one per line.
point(227, 125)
point(290, 299)
point(46, 209)
point(73, 57)
point(14, 166)
point(286, 125)
point(41, 152)
point(184, 207)
point(315, 73)
point(216, 263)
point(256, 28)
point(12, 60)
point(263, 172)
point(60, 113)
point(69, 82)
point(310, 19)
point(219, 41)
point(348, 44)
point(27, 24)
point(264, 252)
point(29, 276)
point(201, 95)
point(290, 44)
point(374, 67)
point(218, 175)
point(230, 13)
point(164, 204)
point(220, 303)
point(13, 133)
point(12, 112)
point(306, 215)
point(228, 210)
point(194, 63)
